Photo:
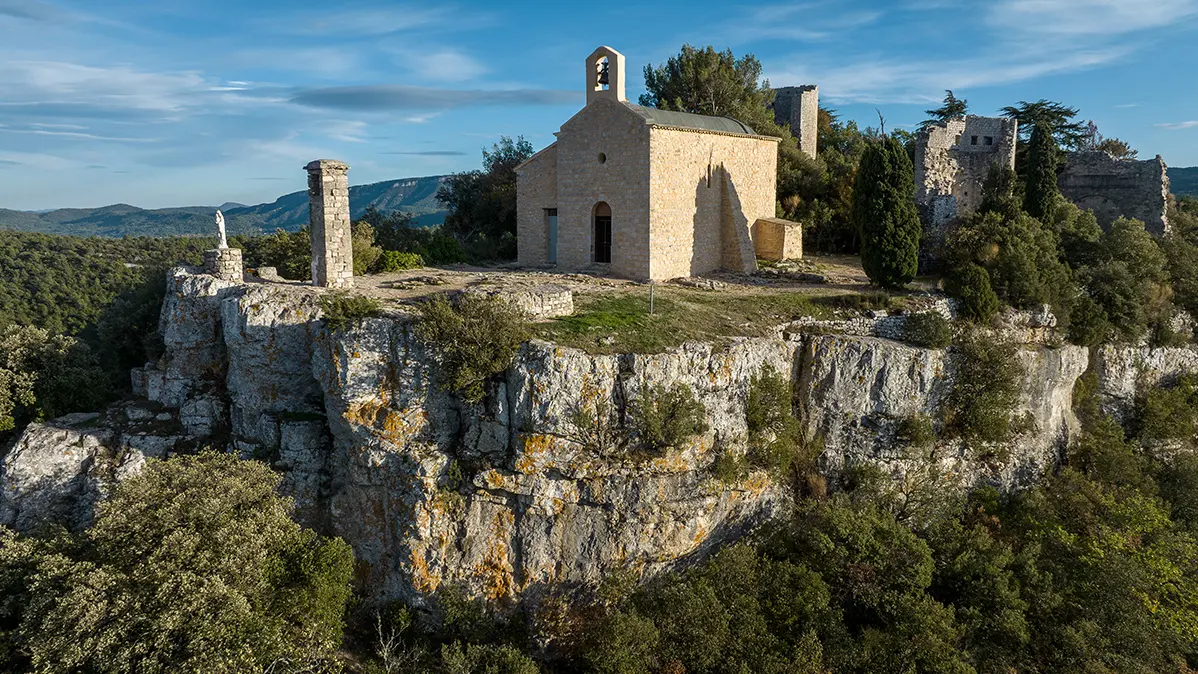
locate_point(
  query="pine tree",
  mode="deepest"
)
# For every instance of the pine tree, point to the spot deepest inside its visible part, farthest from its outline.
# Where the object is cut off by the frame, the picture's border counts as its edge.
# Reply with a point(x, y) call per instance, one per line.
point(1040, 193)
point(953, 108)
point(884, 212)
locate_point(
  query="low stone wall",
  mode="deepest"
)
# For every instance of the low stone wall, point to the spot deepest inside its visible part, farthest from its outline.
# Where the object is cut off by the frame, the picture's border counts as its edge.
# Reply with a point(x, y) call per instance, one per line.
point(543, 301)
point(224, 263)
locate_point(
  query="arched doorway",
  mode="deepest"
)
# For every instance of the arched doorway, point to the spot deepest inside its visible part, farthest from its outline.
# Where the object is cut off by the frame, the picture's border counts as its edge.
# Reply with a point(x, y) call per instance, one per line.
point(602, 221)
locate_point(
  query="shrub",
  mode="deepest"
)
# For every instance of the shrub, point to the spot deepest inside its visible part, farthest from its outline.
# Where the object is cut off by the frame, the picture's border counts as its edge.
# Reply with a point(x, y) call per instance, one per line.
point(192, 566)
point(1167, 413)
point(472, 340)
point(928, 329)
point(986, 384)
point(729, 467)
point(392, 260)
point(485, 659)
point(1088, 324)
point(366, 254)
point(667, 418)
point(971, 284)
point(915, 431)
point(868, 301)
point(775, 436)
point(343, 310)
point(596, 429)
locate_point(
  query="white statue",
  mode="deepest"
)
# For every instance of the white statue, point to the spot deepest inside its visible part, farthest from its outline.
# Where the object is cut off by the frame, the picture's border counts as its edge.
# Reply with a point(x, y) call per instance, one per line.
point(220, 227)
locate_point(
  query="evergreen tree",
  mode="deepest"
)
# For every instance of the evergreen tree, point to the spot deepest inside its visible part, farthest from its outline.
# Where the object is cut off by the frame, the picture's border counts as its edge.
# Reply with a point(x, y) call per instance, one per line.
point(884, 212)
point(1040, 195)
point(1055, 117)
point(953, 108)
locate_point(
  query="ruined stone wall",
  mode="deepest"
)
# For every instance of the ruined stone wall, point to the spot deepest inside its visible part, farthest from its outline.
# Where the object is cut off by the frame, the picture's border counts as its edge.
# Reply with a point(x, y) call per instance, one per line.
point(1115, 188)
point(603, 156)
point(536, 190)
point(695, 177)
point(952, 161)
point(799, 108)
point(328, 217)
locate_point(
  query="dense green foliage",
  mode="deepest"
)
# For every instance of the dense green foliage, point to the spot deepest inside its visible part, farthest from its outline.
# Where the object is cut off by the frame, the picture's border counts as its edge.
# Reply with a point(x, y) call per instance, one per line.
point(343, 310)
point(928, 329)
point(1040, 193)
point(192, 566)
point(986, 385)
point(1055, 118)
point(776, 441)
point(884, 212)
point(666, 418)
point(472, 339)
point(482, 203)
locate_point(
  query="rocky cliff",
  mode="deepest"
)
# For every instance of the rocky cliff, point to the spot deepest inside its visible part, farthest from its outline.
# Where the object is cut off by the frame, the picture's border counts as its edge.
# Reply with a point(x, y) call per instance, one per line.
point(510, 495)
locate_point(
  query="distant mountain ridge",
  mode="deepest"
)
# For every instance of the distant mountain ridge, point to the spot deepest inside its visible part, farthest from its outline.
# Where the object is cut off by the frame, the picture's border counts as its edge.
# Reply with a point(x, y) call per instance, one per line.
point(1184, 181)
point(290, 212)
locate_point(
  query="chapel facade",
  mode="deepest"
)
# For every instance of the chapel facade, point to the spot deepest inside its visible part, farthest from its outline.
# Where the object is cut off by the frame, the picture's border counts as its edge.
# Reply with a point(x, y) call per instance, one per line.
point(643, 193)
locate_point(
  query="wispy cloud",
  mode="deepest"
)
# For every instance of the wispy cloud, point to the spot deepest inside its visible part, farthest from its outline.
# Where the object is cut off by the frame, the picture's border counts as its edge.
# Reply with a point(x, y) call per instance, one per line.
point(1088, 17)
point(363, 20)
point(445, 65)
point(1176, 126)
point(34, 10)
point(400, 97)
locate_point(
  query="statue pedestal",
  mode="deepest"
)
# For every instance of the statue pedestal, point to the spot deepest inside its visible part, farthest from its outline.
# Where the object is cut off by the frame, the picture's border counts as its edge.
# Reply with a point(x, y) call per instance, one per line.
point(224, 264)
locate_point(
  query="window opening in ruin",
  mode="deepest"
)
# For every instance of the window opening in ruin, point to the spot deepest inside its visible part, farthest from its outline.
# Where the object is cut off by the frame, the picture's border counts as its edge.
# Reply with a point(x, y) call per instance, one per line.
point(602, 158)
point(989, 140)
point(602, 233)
point(973, 140)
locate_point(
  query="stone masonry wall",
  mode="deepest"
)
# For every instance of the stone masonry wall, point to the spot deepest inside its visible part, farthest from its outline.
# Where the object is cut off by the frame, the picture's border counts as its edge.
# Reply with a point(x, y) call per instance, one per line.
point(224, 264)
point(952, 161)
point(778, 239)
point(536, 190)
point(621, 180)
point(328, 217)
point(1118, 187)
point(688, 196)
point(799, 107)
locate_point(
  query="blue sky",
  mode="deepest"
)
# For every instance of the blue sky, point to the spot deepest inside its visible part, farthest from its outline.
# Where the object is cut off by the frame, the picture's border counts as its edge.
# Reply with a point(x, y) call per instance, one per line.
point(189, 102)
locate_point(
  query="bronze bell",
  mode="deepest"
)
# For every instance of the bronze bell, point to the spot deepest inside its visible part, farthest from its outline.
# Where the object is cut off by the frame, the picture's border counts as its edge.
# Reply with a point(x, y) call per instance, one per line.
point(603, 77)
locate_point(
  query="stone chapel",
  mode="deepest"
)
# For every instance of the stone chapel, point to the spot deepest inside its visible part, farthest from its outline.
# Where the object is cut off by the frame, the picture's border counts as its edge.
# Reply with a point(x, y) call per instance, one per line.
point(642, 193)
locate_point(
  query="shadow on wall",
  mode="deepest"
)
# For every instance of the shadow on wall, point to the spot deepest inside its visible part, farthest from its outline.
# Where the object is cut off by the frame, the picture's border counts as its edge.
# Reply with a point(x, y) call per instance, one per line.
point(737, 254)
point(719, 216)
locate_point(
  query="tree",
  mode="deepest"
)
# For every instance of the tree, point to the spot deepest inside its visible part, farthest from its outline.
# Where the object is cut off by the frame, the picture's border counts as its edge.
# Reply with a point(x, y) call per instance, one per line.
point(953, 108)
point(1095, 142)
point(884, 212)
point(707, 82)
point(482, 203)
point(192, 566)
point(1041, 192)
point(1054, 117)
point(44, 376)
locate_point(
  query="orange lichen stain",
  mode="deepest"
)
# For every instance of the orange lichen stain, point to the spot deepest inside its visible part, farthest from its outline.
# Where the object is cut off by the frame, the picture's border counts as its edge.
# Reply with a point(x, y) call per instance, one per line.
point(498, 581)
point(356, 354)
point(422, 579)
point(394, 426)
point(700, 535)
point(493, 479)
point(536, 446)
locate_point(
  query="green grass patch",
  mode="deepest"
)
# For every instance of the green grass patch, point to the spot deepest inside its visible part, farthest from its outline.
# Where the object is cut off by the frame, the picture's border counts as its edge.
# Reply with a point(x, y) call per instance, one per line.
point(622, 323)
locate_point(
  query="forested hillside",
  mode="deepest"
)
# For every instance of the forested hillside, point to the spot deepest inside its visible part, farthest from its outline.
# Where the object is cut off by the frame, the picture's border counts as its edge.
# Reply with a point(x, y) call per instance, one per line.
point(416, 196)
point(1184, 181)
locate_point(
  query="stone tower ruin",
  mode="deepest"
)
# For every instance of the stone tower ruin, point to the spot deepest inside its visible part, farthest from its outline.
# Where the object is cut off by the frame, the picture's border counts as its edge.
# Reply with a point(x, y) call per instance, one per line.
point(328, 218)
point(799, 107)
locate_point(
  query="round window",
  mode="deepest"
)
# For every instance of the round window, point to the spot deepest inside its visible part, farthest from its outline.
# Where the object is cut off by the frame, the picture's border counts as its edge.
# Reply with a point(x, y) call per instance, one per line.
point(602, 158)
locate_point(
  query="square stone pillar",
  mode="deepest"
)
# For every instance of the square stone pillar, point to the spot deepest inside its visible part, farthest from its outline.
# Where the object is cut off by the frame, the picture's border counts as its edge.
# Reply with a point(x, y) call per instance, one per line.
point(328, 218)
point(224, 264)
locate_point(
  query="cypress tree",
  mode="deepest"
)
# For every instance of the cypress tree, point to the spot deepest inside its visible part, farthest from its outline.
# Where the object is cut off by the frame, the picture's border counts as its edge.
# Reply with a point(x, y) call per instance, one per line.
point(1040, 193)
point(884, 212)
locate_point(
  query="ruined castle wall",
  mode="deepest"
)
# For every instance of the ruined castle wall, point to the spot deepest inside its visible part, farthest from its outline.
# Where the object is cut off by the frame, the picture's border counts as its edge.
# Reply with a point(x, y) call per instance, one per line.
point(799, 107)
point(1115, 188)
point(952, 161)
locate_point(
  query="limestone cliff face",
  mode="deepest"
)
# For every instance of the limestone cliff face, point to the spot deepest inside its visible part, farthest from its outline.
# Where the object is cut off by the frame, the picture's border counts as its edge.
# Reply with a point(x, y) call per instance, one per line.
point(509, 495)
